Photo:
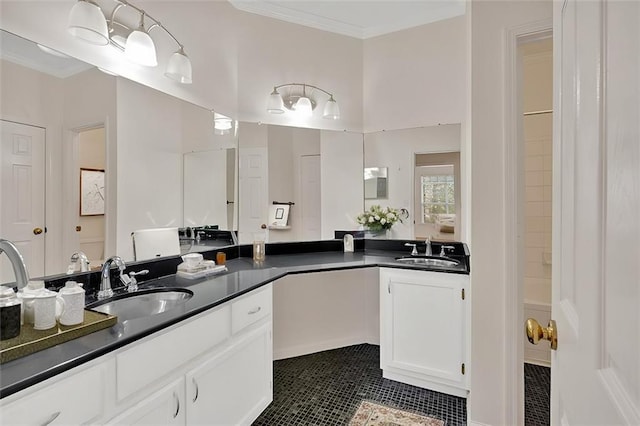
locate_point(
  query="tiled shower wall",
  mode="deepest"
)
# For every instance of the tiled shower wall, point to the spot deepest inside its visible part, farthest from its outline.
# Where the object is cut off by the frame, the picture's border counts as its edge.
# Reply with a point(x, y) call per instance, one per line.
point(537, 262)
point(537, 96)
point(537, 128)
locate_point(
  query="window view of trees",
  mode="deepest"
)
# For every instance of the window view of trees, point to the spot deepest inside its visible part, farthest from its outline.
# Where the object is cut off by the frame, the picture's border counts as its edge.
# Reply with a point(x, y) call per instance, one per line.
point(438, 197)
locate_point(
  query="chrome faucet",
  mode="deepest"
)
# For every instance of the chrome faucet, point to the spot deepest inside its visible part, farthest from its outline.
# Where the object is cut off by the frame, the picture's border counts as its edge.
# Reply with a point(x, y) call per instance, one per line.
point(17, 262)
point(78, 257)
point(105, 286)
point(427, 249)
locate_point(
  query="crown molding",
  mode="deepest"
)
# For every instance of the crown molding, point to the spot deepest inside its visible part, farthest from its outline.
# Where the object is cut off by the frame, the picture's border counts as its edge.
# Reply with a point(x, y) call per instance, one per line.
point(442, 11)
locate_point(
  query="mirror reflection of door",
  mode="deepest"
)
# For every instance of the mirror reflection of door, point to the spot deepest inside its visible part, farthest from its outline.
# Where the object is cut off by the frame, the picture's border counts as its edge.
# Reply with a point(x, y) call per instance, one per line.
point(437, 196)
point(88, 234)
point(22, 195)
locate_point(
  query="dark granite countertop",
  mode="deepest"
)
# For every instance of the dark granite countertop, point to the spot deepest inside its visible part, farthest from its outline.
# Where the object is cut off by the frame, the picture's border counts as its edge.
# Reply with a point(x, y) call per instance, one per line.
point(243, 276)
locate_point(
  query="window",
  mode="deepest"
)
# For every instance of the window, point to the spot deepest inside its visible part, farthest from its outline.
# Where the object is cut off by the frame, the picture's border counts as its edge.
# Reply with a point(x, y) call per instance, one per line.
point(436, 202)
point(437, 196)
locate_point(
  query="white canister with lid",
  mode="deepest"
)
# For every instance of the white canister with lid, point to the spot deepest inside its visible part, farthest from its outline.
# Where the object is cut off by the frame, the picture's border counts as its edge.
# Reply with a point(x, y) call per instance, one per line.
point(28, 295)
point(47, 308)
point(73, 295)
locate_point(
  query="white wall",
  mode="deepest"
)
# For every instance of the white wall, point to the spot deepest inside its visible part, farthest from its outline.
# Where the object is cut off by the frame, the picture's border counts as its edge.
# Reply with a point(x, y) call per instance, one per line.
point(396, 150)
point(205, 188)
point(89, 101)
point(237, 57)
point(415, 77)
point(149, 162)
point(327, 310)
point(342, 181)
point(489, 402)
point(31, 97)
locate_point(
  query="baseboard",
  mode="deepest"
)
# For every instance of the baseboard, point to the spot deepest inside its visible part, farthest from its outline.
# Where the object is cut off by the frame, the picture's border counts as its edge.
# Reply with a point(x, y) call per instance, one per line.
point(472, 423)
point(541, 363)
point(314, 347)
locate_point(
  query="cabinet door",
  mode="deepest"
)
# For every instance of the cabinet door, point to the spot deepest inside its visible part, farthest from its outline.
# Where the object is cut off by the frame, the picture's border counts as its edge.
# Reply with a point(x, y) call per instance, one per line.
point(423, 325)
point(76, 399)
point(164, 407)
point(234, 387)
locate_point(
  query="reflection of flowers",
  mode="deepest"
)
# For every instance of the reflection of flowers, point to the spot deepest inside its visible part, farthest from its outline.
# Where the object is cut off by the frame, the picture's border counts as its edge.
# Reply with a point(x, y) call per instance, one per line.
point(378, 219)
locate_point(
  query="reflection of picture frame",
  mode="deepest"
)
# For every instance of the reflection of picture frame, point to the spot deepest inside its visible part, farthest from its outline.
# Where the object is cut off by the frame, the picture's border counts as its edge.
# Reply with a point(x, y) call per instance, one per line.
point(279, 215)
point(91, 192)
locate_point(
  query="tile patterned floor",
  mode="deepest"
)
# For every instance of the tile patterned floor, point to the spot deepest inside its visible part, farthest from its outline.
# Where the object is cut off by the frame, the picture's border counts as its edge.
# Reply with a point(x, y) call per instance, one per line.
point(537, 388)
point(326, 388)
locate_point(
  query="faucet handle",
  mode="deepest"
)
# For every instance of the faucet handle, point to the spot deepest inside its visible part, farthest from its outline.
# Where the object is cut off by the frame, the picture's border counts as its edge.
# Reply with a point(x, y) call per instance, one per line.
point(443, 249)
point(414, 251)
point(130, 280)
point(143, 272)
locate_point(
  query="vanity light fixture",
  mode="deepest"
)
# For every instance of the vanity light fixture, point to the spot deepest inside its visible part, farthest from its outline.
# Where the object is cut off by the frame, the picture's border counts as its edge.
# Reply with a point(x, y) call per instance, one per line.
point(221, 124)
point(87, 21)
point(296, 99)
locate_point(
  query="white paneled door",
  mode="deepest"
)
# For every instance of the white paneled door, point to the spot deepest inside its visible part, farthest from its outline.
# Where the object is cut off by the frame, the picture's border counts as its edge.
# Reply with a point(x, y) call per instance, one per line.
point(22, 196)
point(596, 277)
point(253, 190)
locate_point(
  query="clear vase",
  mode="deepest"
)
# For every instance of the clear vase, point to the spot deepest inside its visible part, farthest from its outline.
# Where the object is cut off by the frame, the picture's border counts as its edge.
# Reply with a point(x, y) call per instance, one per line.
point(381, 234)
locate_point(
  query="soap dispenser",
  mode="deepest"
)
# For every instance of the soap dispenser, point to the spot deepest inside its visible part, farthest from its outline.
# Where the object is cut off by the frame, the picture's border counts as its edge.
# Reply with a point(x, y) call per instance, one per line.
point(348, 243)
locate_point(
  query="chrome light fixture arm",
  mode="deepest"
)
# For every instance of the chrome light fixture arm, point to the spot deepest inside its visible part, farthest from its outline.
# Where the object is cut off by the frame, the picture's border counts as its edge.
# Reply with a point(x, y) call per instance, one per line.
point(301, 103)
point(143, 14)
point(88, 21)
point(304, 86)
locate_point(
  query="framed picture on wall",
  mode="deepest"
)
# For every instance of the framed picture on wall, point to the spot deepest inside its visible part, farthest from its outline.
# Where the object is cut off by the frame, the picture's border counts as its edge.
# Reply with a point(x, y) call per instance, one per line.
point(279, 215)
point(91, 192)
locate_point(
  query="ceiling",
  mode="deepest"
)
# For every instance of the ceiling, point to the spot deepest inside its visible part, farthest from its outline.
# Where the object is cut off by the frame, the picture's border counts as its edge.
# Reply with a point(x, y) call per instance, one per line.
point(355, 18)
point(28, 54)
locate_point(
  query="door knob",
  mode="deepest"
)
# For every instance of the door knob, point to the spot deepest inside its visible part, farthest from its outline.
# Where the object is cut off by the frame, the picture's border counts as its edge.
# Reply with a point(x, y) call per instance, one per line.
point(535, 332)
point(37, 231)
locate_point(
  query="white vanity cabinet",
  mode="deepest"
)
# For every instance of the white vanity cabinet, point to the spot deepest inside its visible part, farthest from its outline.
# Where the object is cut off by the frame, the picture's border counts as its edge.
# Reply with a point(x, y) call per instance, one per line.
point(72, 398)
point(164, 407)
point(424, 329)
point(219, 367)
point(234, 387)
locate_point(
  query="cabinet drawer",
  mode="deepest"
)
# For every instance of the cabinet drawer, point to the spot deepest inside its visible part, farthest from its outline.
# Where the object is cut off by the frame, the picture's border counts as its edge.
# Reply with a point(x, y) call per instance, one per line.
point(74, 400)
point(250, 308)
point(153, 359)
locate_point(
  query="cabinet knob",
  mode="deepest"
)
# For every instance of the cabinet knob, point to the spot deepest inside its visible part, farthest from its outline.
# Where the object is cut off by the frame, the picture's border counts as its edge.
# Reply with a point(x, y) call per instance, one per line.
point(38, 231)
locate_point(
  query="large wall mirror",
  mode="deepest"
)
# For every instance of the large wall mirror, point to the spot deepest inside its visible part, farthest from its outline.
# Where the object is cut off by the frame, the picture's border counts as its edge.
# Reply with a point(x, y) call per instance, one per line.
point(416, 160)
point(316, 173)
point(161, 157)
point(165, 166)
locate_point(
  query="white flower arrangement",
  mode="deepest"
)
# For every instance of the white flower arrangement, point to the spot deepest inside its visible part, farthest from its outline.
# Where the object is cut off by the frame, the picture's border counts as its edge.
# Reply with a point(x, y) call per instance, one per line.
point(378, 219)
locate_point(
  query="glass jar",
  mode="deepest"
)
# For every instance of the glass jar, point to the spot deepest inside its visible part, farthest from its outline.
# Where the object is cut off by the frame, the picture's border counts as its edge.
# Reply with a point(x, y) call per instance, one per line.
point(10, 307)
